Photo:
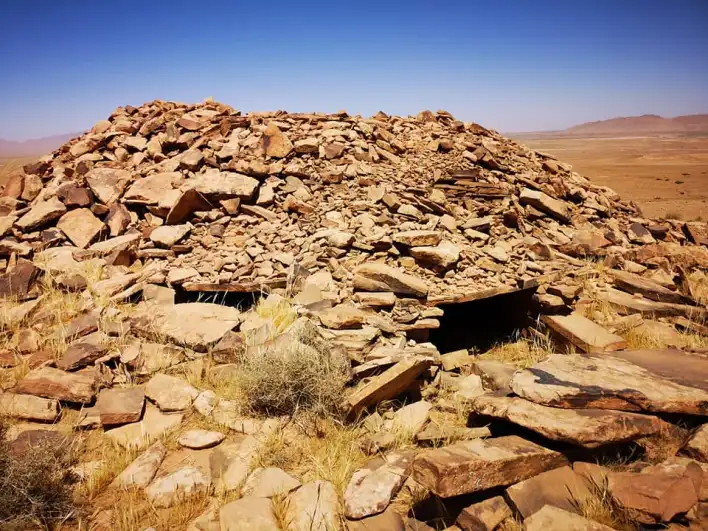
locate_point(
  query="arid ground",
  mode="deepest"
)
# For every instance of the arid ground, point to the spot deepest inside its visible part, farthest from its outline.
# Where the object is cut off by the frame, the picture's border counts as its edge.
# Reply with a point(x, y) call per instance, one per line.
point(666, 176)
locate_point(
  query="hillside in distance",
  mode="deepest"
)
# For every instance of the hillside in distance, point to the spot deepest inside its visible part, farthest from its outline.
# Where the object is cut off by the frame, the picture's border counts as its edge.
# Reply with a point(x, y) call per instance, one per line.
point(34, 147)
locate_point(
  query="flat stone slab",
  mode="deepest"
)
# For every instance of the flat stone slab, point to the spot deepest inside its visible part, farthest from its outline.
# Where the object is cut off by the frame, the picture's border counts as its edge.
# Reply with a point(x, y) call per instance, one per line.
point(585, 334)
point(140, 472)
point(177, 486)
point(170, 393)
point(48, 382)
point(485, 515)
point(589, 428)
point(313, 507)
point(139, 434)
point(370, 490)
point(481, 464)
point(697, 445)
point(380, 277)
point(552, 518)
point(632, 283)
point(200, 439)
point(29, 407)
point(269, 482)
point(606, 382)
point(627, 304)
point(248, 514)
point(560, 488)
point(196, 325)
point(120, 406)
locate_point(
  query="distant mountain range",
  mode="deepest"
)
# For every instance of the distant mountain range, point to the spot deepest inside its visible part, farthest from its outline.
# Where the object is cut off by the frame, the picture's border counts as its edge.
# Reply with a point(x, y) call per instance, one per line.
point(647, 124)
point(34, 147)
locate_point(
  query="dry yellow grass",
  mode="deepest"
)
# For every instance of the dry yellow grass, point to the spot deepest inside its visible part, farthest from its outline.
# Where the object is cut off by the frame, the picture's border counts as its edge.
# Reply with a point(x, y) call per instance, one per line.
point(600, 508)
point(522, 353)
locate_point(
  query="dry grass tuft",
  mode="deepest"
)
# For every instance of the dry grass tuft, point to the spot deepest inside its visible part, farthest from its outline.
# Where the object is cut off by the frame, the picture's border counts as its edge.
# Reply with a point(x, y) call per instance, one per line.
point(279, 311)
point(600, 508)
point(292, 377)
point(522, 353)
point(35, 490)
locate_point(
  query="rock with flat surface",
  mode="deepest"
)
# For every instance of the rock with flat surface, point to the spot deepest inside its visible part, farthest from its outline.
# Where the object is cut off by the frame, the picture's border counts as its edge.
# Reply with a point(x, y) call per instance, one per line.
point(342, 316)
point(606, 382)
point(481, 464)
point(153, 189)
point(417, 238)
point(387, 385)
point(17, 282)
point(652, 498)
point(140, 472)
point(560, 488)
point(120, 406)
point(441, 257)
point(248, 514)
point(545, 203)
point(410, 419)
point(496, 375)
point(552, 518)
point(48, 382)
point(485, 515)
point(107, 184)
point(189, 202)
point(380, 277)
point(632, 283)
point(313, 507)
point(370, 490)
point(41, 214)
point(269, 482)
point(170, 393)
point(140, 434)
point(389, 520)
point(215, 185)
point(196, 325)
point(200, 439)
point(585, 334)
point(178, 486)
point(29, 407)
point(80, 354)
point(168, 235)
point(589, 428)
point(81, 226)
point(627, 304)
point(697, 445)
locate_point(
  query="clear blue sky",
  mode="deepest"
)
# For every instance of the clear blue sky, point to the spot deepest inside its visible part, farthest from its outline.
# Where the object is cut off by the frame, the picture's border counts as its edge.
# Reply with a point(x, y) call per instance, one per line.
point(514, 65)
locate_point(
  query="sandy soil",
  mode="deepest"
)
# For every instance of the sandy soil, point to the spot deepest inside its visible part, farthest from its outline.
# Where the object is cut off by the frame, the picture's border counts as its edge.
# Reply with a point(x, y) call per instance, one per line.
point(666, 176)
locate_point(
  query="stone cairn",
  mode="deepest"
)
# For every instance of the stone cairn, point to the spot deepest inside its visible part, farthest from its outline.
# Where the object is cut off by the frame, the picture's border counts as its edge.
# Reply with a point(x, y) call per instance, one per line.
point(371, 227)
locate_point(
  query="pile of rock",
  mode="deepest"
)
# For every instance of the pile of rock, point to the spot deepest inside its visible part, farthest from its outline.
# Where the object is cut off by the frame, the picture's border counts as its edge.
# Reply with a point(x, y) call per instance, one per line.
point(368, 226)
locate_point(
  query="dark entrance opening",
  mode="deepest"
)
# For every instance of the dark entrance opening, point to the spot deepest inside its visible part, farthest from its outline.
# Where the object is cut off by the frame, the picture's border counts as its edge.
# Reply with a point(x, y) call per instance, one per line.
point(480, 324)
point(240, 300)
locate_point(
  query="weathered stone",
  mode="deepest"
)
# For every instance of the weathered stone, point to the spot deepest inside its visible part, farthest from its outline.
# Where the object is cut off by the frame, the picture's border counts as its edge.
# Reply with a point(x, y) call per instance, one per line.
point(81, 354)
point(269, 482)
point(170, 393)
point(697, 445)
point(29, 407)
point(216, 185)
point(167, 236)
point(376, 300)
point(485, 515)
point(380, 277)
point(152, 426)
point(140, 472)
point(200, 439)
point(107, 184)
point(120, 406)
point(389, 520)
point(54, 383)
point(370, 490)
point(248, 514)
point(177, 486)
point(589, 428)
point(73, 195)
point(410, 419)
point(652, 497)
point(385, 386)
point(196, 325)
point(80, 226)
point(606, 382)
point(584, 334)
point(551, 518)
point(17, 282)
point(313, 507)
point(41, 214)
point(443, 256)
point(560, 488)
point(189, 202)
point(191, 160)
point(275, 143)
point(647, 288)
point(496, 375)
point(417, 238)
point(342, 316)
point(481, 464)
point(545, 203)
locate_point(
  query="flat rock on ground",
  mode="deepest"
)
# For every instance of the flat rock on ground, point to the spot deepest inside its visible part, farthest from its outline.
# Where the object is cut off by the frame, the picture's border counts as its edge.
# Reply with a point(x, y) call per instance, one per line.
point(606, 382)
point(140, 472)
point(200, 439)
point(139, 434)
point(177, 486)
point(120, 406)
point(29, 407)
point(48, 382)
point(697, 445)
point(561, 488)
point(554, 519)
point(170, 393)
point(313, 507)
point(248, 514)
point(485, 515)
point(481, 464)
point(589, 428)
point(269, 482)
point(196, 325)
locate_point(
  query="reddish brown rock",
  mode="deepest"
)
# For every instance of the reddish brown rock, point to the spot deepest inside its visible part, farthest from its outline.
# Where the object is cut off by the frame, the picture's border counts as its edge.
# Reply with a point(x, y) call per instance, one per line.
point(481, 464)
point(17, 282)
point(54, 383)
point(561, 488)
point(120, 406)
point(554, 519)
point(485, 515)
point(80, 226)
point(697, 446)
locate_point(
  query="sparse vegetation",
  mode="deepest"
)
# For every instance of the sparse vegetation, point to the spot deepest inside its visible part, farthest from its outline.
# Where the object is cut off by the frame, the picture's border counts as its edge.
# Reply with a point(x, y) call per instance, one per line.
point(35, 488)
point(523, 352)
point(673, 214)
point(600, 508)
